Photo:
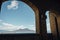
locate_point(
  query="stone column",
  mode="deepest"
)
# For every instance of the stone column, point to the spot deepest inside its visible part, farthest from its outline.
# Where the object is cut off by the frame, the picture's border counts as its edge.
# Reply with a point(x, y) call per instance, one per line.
point(54, 25)
point(43, 29)
point(58, 22)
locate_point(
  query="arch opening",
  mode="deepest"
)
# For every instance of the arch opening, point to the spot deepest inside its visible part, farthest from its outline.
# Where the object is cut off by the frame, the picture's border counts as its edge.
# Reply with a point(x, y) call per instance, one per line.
point(15, 15)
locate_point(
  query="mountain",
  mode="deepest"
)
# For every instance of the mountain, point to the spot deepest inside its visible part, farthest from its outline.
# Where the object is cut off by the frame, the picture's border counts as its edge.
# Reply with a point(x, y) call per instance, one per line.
point(26, 30)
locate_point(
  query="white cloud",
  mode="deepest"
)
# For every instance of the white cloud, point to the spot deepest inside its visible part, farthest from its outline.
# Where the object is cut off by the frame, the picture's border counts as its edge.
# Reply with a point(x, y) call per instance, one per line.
point(32, 27)
point(11, 27)
point(7, 24)
point(13, 5)
point(0, 20)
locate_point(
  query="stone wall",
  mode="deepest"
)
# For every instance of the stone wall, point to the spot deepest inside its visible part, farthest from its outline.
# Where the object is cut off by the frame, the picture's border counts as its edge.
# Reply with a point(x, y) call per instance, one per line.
point(53, 24)
point(58, 20)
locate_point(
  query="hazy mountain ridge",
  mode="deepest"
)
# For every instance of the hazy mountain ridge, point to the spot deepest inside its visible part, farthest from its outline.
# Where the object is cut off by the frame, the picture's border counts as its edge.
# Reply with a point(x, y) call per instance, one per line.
point(26, 30)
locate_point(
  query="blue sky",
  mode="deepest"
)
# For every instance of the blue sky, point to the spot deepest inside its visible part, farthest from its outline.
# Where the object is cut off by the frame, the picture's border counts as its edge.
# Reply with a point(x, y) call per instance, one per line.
point(18, 15)
point(48, 22)
point(15, 15)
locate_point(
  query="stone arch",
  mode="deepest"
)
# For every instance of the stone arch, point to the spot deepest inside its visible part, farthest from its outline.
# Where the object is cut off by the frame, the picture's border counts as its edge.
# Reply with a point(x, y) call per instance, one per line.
point(54, 23)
